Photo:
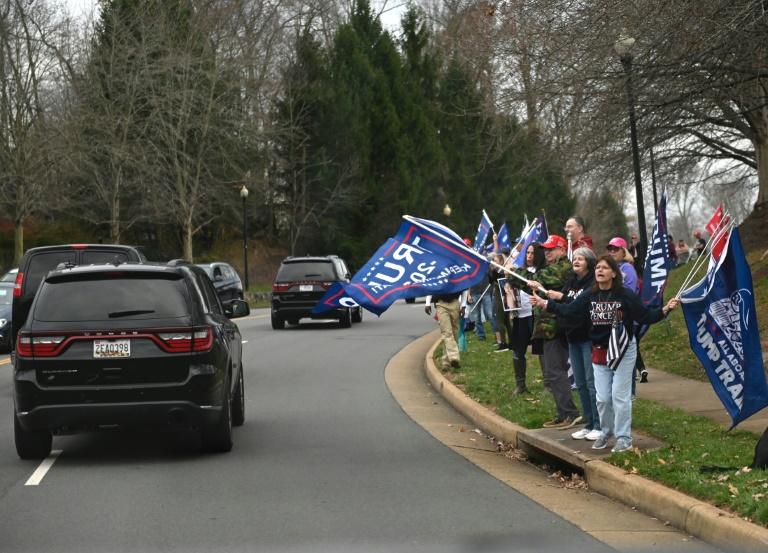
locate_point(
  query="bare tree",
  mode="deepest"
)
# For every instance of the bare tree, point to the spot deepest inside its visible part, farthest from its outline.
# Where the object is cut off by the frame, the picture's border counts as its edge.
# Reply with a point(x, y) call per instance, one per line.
point(29, 79)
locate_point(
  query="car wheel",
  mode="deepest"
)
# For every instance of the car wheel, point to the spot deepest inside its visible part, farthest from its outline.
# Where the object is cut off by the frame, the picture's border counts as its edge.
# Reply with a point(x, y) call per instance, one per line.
point(217, 438)
point(410, 300)
point(238, 402)
point(357, 315)
point(277, 322)
point(31, 444)
point(345, 319)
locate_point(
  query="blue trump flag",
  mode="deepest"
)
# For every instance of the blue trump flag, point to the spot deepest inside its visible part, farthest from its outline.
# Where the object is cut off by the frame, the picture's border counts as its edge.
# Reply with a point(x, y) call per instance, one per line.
point(424, 258)
point(657, 262)
point(483, 229)
point(537, 233)
point(503, 239)
point(722, 327)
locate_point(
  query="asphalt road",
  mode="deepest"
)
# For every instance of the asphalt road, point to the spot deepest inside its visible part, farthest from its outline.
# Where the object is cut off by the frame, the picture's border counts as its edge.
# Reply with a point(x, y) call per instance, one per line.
point(326, 461)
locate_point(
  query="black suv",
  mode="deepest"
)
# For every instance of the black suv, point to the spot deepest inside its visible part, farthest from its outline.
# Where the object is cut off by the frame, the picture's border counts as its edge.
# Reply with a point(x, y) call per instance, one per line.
point(128, 344)
point(38, 261)
point(301, 282)
point(225, 279)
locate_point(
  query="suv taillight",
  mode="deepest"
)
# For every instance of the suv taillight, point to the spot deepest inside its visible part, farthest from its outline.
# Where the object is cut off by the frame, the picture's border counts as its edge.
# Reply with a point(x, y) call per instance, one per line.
point(280, 287)
point(198, 339)
point(17, 285)
point(39, 346)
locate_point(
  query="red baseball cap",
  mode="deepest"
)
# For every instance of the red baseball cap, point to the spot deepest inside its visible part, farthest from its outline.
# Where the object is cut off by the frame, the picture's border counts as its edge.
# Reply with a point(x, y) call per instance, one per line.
point(554, 241)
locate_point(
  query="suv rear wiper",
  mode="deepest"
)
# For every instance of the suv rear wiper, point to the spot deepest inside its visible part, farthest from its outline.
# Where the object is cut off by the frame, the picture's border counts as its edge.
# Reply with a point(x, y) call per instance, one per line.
point(128, 312)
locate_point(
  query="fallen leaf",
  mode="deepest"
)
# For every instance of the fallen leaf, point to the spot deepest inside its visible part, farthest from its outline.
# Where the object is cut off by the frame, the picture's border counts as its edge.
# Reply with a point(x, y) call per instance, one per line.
point(626, 462)
point(746, 469)
point(462, 429)
point(662, 461)
point(758, 496)
point(704, 455)
point(734, 489)
point(477, 431)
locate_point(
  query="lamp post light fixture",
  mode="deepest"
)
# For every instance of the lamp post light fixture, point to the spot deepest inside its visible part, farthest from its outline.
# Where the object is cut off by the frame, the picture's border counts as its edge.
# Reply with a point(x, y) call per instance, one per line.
point(447, 212)
point(623, 47)
point(244, 196)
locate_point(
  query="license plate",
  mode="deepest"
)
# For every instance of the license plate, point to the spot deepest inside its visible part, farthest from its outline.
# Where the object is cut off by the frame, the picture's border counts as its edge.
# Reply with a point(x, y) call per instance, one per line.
point(305, 288)
point(111, 348)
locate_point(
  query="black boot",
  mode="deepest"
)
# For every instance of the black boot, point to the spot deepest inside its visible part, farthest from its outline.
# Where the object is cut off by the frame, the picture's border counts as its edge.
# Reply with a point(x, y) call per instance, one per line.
point(520, 369)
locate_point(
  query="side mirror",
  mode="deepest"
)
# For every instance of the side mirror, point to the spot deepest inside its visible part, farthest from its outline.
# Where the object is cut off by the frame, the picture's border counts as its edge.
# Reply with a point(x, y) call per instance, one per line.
point(236, 308)
point(218, 278)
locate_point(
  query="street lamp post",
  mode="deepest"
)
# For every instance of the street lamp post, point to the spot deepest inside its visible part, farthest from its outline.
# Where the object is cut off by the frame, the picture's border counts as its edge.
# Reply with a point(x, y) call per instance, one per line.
point(447, 213)
point(623, 47)
point(244, 196)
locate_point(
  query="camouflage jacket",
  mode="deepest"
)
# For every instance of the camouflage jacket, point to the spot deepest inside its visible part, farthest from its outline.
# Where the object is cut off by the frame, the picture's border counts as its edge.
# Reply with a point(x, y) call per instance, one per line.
point(552, 277)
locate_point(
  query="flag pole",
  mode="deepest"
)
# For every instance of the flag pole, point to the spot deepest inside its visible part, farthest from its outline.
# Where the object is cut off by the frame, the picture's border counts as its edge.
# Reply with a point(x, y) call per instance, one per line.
point(700, 260)
point(514, 274)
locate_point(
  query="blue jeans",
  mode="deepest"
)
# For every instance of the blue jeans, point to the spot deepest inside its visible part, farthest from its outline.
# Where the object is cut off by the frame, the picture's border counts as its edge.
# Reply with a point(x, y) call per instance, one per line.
point(584, 375)
point(486, 307)
point(613, 396)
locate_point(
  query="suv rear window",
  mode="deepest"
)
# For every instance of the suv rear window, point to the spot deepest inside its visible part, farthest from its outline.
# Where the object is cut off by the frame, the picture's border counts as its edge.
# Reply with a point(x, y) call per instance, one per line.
point(110, 299)
point(307, 270)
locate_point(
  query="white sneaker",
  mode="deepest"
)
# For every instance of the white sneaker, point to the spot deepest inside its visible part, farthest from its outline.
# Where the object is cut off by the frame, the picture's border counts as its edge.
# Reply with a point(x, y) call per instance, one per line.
point(581, 434)
point(593, 435)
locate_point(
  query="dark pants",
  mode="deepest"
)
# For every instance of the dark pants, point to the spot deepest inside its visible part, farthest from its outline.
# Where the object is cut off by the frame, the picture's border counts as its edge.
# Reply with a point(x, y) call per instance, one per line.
point(556, 363)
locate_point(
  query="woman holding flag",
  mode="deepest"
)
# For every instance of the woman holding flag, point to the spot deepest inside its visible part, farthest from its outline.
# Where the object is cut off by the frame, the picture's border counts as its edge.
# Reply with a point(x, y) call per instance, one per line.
point(612, 309)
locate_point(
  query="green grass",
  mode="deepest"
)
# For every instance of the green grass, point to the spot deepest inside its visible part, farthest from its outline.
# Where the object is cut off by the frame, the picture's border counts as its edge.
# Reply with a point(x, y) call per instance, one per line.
point(692, 442)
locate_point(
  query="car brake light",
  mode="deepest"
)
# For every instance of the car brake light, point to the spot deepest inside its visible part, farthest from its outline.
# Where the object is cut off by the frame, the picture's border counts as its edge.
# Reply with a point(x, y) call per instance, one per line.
point(283, 287)
point(38, 346)
point(200, 339)
point(17, 285)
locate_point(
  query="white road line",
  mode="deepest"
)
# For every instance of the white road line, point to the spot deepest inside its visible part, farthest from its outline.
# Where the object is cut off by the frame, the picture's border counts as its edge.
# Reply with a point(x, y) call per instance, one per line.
point(43, 469)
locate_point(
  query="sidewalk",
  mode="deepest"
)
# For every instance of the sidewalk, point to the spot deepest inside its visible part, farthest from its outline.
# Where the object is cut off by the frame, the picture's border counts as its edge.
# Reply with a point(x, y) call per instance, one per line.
point(693, 516)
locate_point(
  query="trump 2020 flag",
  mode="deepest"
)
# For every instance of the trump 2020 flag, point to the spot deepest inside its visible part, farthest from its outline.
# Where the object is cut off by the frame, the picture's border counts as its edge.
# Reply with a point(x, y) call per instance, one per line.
point(722, 328)
point(483, 229)
point(424, 258)
point(657, 262)
point(537, 233)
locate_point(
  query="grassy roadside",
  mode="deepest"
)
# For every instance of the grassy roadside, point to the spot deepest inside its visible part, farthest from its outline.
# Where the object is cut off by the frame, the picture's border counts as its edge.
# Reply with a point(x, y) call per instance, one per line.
point(692, 442)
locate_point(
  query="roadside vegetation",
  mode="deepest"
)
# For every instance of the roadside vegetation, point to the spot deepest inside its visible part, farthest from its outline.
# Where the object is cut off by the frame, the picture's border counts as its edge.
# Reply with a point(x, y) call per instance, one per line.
point(691, 442)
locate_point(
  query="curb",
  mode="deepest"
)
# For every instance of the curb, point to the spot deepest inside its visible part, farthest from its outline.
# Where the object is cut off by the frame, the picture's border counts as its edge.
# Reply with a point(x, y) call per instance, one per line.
point(694, 517)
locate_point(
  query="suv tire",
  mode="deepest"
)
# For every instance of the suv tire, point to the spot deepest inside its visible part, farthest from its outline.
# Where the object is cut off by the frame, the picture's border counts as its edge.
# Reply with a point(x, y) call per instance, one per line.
point(31, 444)
point(345, 319)
point(238, 402)
point(357, 315)
point(217, 438)
point(277, 322)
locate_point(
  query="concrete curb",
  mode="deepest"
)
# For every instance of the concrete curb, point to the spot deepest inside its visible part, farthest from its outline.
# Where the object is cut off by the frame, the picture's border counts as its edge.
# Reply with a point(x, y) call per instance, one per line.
point(694, 517)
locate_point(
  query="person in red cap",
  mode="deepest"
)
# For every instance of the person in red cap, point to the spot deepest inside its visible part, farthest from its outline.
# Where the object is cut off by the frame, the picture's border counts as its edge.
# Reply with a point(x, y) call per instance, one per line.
point(699, 246)
point(553, 277)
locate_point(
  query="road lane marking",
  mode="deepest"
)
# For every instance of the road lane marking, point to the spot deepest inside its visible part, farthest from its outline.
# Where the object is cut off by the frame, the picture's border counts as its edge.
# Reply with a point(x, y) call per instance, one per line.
point(43, 469)
point(5, 361)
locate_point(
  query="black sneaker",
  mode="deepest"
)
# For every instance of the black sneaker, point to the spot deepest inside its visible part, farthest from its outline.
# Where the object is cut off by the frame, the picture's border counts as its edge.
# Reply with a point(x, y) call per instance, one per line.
point(643, 375)
point(502, 347)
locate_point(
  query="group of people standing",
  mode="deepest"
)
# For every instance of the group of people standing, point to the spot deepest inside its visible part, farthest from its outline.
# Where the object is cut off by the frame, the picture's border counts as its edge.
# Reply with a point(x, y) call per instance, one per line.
point(566, 298)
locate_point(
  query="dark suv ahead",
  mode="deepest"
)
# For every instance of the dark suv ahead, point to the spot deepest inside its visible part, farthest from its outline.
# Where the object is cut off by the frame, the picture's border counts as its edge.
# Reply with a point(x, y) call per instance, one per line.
point(38, 261)
point(128, 344)
point(301, 282)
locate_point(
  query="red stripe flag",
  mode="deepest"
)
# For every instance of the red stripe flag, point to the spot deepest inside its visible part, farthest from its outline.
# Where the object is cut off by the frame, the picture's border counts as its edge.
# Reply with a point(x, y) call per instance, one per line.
point(716, 229)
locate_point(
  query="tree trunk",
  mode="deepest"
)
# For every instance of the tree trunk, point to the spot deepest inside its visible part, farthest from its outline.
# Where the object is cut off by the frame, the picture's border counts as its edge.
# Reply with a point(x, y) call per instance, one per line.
point(18, 242)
